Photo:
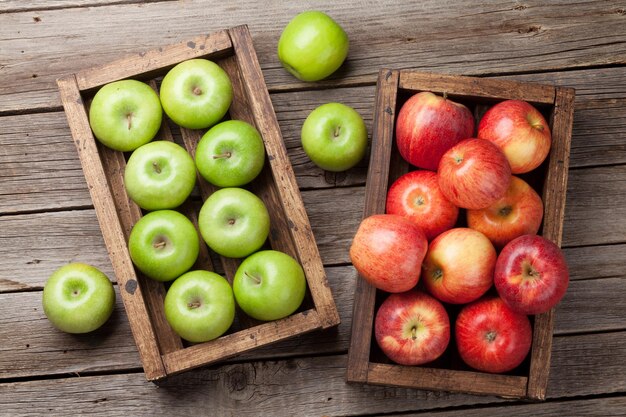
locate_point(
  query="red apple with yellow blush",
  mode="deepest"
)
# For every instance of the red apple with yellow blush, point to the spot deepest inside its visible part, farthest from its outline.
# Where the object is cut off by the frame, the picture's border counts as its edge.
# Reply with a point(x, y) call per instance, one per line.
point(519, 212)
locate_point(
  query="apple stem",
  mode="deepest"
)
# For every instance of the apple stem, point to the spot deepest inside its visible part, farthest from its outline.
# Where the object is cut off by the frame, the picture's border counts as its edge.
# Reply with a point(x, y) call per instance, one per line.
point(197, 91)
point(222, 155)
point(337, 130)
point(129, 117)
point(194, 304)
point(414, 332)
point(159, 244)
point(156, 167)
point(445, 95)
point(252, 277)
point(491, 336)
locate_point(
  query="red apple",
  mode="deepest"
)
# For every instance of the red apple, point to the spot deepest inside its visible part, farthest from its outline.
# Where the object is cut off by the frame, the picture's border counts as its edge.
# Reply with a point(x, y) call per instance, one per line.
point(531, 274)
point(412, 328)
point(520, 131)
point(459, 265)
point(518, 212)
point(417, 196)
point(387, 251)
point(474, 174)
point(428, 125)
point(491, 337)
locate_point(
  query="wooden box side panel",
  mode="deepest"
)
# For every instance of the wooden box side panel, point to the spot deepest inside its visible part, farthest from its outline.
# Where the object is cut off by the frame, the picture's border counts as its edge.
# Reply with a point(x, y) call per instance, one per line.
point(554, 195)
point(447, 380)
point(110, 225)
point(376, 189)
point(284, 177)
point(145, 64)
point(242, 341)
point(476, 88)
point(129, 213)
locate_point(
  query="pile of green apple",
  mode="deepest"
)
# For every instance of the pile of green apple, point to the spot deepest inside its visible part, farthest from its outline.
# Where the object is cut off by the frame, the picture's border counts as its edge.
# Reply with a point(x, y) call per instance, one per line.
point(164, 244)
point(160, 175)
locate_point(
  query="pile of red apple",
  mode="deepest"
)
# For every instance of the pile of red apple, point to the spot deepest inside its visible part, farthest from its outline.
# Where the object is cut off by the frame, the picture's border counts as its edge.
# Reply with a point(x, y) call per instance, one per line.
point(470, 181)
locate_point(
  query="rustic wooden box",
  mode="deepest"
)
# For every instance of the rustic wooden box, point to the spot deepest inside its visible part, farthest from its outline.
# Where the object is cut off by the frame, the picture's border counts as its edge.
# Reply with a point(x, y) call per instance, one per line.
point(162, 352)
point(366, 363)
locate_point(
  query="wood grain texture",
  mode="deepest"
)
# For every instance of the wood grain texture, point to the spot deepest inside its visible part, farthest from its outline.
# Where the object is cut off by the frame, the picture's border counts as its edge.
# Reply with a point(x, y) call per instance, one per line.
point(242, 341)
point(12, 6)
point(553, 197)
point(595, 212)
point(111, 229)
point(26, 260)
point(544, 36)
point(40, 349)
point(37, 348)
point(446, 380)
point(598, 407)
point(475, 88)
point(41, 171)
point(154, 62)
point(588, 306)
point(302, 386)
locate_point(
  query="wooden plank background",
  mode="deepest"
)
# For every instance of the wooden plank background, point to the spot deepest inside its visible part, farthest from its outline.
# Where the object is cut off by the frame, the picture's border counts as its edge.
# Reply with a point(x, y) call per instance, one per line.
point(47, 219)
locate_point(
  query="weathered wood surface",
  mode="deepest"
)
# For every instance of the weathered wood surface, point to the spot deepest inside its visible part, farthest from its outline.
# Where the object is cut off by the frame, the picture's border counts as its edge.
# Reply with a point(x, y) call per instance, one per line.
point(41, 171)
point(589, 306)
point(581, 365)
point(47, 219)
point(32, 246)
point(423, 38)
point(602, 407)
point(12, 6)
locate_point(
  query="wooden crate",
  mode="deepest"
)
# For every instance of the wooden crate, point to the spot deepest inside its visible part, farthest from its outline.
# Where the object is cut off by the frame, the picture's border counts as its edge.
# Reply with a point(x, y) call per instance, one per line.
point(162, 352)
point(366, 363)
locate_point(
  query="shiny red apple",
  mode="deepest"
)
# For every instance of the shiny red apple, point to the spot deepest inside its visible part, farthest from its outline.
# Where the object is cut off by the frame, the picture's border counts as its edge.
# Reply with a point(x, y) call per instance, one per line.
point(531, 274)
point(416, 196)
point(412, 328)
point(491, 337)
point(474, 174)
point(520, 130)
point(428, 125)
point(519, 212)
point(459, 266)
point(387, 251)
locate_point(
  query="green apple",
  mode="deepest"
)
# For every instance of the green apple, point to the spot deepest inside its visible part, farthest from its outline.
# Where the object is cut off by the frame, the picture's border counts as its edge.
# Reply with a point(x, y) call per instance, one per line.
point(125, 115)
point(230, 154)
point(78, 298)
point(196, 93)
point(200, 306)
point(269, 285)
point(312, 46)
point(159, 175)
point(164, 244)
point(334, 136)
point(234, 222)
